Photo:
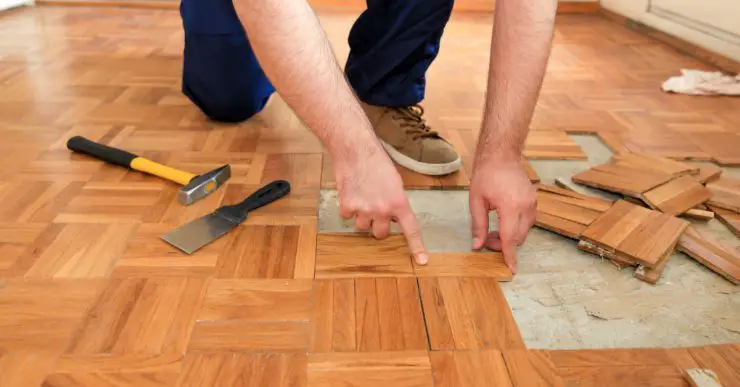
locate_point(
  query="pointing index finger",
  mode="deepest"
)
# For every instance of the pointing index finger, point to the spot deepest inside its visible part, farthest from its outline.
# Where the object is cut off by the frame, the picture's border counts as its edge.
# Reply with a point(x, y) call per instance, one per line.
point(411, 230)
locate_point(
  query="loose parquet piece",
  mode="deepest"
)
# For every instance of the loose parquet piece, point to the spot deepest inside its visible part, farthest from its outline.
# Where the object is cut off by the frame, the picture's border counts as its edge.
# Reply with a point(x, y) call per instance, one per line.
point(531, 368)
point(638, 234)
point(346, 255)
point(469, 368)
point(41, 315)
point(624, 179)
point(652, 162)
point(721, 146)
point(472, 264)
point(698, 214)
point(468, 313)
point(711, 253)
point(616, 259)
point(677, 196)
point(708, 173)
point(129, 317)
point(402, 369)
point(731, 219)
point(652, 275)
point(566, 212)
point(254, 251)
point(206, 369)
point(725, 194)
point(702, 378)
point(551, 145)
point(531, 173)
point(367, 315)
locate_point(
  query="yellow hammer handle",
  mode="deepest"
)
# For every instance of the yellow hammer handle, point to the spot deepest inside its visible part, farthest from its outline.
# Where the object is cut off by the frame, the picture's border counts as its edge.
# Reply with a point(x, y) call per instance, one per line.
point(163, 171)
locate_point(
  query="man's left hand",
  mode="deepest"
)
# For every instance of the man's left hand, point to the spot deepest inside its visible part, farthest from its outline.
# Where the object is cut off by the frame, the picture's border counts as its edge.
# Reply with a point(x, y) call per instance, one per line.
point(502, 185)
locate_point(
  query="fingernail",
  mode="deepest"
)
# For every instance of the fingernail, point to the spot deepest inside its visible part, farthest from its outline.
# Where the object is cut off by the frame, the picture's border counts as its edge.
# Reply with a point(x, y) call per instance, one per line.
point(476, 242)
point(422, 259)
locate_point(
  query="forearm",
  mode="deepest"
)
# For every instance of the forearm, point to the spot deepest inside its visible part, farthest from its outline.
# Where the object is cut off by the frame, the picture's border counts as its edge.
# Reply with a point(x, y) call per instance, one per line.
point(295, 55)
point(520, 48)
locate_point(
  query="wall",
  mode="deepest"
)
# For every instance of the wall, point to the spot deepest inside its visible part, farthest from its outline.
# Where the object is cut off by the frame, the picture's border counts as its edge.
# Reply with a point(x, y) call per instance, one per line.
point(707, 28)
point(6, 4)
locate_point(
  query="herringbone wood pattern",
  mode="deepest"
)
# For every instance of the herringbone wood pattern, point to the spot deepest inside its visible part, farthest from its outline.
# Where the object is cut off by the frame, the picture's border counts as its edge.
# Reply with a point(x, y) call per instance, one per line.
point(89, 295)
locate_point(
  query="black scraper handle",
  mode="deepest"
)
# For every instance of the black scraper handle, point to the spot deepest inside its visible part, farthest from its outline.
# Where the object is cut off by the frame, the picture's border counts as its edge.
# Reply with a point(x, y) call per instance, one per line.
point(263, 196)
point(103, 152)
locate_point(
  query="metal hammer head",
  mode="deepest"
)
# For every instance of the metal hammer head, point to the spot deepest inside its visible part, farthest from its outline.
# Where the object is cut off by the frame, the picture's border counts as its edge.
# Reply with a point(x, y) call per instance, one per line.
point(202, 185)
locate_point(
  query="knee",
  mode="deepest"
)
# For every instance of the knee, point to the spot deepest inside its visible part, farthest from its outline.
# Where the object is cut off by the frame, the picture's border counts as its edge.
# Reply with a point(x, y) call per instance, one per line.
point(234, 110)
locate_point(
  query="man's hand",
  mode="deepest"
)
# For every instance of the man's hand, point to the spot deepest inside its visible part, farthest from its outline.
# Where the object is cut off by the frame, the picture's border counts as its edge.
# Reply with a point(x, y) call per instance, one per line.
point(503, 186)
point(371, 191)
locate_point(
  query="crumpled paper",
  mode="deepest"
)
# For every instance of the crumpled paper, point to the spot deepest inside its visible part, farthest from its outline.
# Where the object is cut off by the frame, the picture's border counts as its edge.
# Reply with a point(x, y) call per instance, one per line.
point(697, 82)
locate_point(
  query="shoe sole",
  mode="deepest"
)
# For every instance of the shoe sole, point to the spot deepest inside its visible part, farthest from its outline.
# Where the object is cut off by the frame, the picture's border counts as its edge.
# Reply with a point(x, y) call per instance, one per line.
point(420, 167)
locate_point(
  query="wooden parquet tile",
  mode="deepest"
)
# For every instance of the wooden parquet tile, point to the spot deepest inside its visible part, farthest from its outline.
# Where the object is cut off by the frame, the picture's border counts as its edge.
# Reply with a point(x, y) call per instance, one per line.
point(402, 369)
point(367, 315)
point(468, 313)
point(711, 253)
point(347, 255)
point(90, 295)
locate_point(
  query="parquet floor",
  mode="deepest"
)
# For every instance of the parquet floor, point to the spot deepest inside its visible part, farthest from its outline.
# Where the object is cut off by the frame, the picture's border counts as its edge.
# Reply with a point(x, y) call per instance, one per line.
point(89, 295)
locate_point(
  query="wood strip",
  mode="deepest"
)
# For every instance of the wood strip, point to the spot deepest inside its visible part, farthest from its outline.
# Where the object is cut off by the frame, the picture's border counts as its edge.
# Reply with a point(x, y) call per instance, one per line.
point(677, 196)
point(725, 194)
point(591, 202)
point(473, 264)
point(708, 173)
point(531, 368)
point(615, 225)
point(622, 179)
point(731, 219)
point(616, 259)
point(469, 368)
point(402, 369)
point(712, 254)
point(699, 214)
point(655, 163)
point(655, 238)
point(551, 205)
point(349, 255)
point(560, 226)
point(713, 358)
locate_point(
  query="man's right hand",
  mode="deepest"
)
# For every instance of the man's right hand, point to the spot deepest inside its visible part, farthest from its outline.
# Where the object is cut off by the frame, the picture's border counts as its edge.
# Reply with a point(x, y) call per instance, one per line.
point(371, 191)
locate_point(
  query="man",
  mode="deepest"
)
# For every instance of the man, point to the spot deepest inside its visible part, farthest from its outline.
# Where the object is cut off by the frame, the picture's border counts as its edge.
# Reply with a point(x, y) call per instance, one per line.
point(392, 44)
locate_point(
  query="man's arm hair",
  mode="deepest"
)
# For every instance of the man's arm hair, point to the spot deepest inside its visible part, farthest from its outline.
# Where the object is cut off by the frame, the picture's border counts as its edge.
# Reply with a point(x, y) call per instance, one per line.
point(297, 58)
point(520, 48)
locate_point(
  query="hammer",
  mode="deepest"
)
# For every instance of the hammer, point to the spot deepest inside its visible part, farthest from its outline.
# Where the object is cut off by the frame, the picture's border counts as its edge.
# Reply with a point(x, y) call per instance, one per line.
point(194, 187)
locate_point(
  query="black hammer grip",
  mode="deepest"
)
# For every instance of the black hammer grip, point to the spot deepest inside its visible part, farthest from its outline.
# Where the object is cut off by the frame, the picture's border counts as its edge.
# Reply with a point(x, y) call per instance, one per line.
point(103, 152)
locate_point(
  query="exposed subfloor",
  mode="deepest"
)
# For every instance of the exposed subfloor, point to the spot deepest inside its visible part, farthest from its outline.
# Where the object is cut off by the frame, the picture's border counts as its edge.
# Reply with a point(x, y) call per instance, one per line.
point(563, 298)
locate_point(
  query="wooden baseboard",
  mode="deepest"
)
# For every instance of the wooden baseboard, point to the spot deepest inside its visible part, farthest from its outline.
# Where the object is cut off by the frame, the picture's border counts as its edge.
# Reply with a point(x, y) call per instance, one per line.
point(687, 48)
point(564, 7)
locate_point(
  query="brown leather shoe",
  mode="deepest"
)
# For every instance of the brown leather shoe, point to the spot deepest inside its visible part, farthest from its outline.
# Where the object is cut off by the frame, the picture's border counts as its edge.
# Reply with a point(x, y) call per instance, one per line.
point(410, 142)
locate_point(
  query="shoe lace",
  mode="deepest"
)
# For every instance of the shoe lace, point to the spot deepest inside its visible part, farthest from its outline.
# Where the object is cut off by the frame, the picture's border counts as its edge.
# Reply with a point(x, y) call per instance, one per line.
point(413, 122)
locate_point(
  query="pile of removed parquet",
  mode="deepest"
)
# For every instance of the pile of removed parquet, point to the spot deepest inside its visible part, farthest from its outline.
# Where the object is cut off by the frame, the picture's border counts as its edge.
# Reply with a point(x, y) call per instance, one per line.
point(642, 229)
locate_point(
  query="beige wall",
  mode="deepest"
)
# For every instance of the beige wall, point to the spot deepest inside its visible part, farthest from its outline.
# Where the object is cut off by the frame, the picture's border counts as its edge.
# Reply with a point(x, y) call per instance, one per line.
point(711, 24)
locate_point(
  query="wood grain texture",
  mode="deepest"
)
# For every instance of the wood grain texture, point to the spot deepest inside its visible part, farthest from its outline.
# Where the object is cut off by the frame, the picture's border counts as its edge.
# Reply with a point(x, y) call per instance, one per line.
point(721, 146)
point(472, 264)
point(731, 219)
point(41, 315)
point(467, 313)
point(708, 173)
point(257, 300)
point(698, 214)
point(551, 145)
point(403, 369)
point(469, 368)
point(672, 145)
point(259, 252)
point(367, 315)
point(129, 317)
point(347, 255)
point(641, 235)
point(677, 196)
point(653, 162)
point(722, 260)
point(723, 360)
point(244, 369)
point(725, 193)
point(531, 368)
point(623, 179)
point(25, 368)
